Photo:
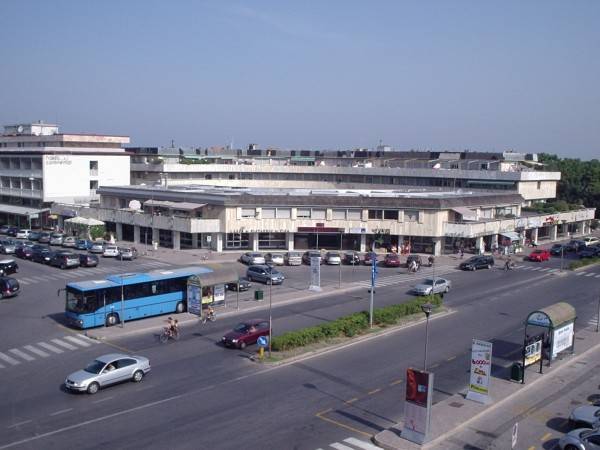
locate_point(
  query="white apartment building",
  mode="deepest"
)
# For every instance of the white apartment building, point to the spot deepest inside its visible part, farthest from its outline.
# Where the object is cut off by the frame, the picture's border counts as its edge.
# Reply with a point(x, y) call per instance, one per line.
point(40, 166)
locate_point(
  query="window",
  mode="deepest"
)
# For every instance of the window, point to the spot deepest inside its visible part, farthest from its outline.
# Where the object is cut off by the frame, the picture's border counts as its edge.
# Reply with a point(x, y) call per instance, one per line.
point(390, 214)
point(93, 165)
point(125, 362)
point(248, 213)
point(303, 213)
point(268, 213)
point(354, 214)
point(338, 214)
point(93, 184)
point(283, 213)
point(375, 214)
point(539, 185)
point(318, 214)
point(411, 215)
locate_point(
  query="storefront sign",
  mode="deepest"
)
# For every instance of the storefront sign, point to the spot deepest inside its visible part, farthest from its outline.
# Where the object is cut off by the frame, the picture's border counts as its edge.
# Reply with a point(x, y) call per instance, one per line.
point(256, 230)
point(58, 159)
point(417, 405)
point(481, 364)
point(562, 339)
point(380, 231)
point(533, 352)
point(357, 230)
point(320, 230)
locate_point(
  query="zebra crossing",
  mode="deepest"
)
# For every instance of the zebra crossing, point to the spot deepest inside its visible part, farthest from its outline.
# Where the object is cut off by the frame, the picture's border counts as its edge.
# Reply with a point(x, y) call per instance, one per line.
point(552, 270)
point(40, 350)
point(84, 273)
point(402, 277)
point(352, 443)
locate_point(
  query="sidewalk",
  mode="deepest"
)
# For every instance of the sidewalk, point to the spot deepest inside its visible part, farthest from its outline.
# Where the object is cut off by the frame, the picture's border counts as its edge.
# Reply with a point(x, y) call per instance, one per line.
point(458, 416)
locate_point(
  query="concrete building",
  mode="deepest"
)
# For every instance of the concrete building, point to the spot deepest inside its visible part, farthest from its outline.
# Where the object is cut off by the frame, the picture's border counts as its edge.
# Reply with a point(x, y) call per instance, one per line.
point(40, 166)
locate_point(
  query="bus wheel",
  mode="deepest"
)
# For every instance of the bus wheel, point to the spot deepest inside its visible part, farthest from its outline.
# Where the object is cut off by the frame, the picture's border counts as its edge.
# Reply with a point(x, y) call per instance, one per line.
point(111, 320)
point(180, 308)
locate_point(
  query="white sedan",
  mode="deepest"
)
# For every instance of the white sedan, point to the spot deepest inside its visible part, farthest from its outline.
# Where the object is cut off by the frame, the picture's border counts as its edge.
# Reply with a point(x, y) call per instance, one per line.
point(333, 258)
point(111, 251)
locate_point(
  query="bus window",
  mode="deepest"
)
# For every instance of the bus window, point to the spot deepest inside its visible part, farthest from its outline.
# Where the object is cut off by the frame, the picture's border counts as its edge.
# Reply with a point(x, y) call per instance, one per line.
point(80, 302)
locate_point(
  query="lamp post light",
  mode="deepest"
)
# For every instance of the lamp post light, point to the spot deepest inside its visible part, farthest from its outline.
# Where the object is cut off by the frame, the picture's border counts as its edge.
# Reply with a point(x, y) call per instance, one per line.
point(270, 306)
point(426, 308)
point(598, 317)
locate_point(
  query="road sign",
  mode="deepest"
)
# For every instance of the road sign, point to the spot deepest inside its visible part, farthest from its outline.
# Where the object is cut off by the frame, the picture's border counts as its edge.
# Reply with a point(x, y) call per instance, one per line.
point(515, 431)
point(263, 341)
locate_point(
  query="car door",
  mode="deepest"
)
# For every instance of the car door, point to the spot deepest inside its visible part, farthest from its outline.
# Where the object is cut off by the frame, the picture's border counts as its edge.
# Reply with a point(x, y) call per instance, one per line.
point(108, 376)
point(125, 368)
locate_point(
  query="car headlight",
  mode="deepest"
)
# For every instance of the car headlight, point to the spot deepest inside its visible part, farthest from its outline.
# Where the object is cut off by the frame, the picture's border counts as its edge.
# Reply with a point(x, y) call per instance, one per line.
point(234, 340)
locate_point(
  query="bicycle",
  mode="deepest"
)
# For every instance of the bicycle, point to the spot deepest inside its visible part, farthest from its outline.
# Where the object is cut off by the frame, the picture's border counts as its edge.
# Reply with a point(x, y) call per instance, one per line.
point(167, 334)
point(209, 316)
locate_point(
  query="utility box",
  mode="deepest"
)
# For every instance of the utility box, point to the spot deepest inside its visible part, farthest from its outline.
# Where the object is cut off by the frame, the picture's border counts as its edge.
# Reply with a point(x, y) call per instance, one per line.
point(516, 372)
point(258, 295)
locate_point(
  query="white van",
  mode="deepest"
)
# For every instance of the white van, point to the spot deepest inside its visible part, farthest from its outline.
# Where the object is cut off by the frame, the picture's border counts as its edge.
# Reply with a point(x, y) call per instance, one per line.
point(293, 258)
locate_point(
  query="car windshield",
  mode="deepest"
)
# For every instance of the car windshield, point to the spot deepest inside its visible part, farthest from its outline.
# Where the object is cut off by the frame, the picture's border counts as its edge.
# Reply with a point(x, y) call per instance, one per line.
point(428, 282)
point(293, 254)
point(334, 255)
point(241, 328)
point(95, 367)
point(56, 235)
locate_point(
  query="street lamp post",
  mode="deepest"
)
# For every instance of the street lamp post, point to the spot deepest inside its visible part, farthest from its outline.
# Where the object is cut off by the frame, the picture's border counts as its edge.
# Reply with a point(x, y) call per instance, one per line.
point(270, 306)
point(598, 317)
point(426, 308)
point(340, 271)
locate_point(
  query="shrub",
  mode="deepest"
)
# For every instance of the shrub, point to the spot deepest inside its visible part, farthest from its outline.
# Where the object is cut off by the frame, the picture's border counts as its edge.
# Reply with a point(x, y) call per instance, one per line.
point(584, 262)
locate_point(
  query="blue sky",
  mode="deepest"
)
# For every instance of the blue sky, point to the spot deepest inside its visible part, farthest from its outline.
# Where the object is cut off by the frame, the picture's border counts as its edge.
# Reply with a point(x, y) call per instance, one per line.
point(440, 75)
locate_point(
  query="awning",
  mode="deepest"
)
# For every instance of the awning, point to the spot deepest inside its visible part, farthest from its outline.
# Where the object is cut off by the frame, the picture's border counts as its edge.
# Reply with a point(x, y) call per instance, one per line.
point(20, 210)
point(221, 274)
point(511, 235)
point(466, 213)
point(84, 221)
point(552, 316)
point(181, 206)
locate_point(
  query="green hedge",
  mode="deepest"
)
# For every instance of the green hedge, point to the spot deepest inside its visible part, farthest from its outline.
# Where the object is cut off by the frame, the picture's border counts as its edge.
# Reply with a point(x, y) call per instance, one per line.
point(351, 325)
point(584, 262)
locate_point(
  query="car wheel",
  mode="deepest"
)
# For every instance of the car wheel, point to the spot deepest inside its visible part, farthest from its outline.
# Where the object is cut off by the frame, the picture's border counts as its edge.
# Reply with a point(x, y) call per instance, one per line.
point(242, 345)
point(179, 308)
point(571, 447)
point(473, 268)
point(447, 289)
point(137, 376)
point(489, 266)
point(93, 388)
point(112, 320)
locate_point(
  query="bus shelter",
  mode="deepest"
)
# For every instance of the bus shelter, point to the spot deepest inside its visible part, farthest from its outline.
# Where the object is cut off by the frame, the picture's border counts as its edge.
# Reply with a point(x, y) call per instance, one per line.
point(559, 323)
point(209, 288)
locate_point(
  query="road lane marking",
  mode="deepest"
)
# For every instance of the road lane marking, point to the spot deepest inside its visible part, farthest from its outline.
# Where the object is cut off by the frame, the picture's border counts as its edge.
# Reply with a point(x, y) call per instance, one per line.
point(433, 366)
point(77, 341)
point(18, 424)
point(25, 356)
point(352, 400)
point(374, 391)
point(394, 383)
point(579, 274)
point(64, 344)
point(52, 348)
point(9, 359)
point(590, 274)
point(451, 358)
point(327, 419)
point(361, 444)
point(87, 339)
point(339, 446)
point(62, 411)
point(546, 437)
point(37, 351)
point(103, 400)
point(531, 448)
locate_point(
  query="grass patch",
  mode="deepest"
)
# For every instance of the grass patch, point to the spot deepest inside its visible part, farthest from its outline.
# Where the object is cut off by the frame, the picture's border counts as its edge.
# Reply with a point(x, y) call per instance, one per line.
point(584, 262)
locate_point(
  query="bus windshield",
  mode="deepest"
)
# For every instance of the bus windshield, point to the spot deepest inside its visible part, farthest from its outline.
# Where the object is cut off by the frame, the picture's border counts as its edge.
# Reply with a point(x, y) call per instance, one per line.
point(80, 302)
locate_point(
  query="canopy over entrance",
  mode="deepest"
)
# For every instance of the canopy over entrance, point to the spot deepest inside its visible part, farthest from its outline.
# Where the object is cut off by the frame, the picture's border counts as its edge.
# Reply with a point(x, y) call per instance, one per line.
point(83, 221)
point(552, 316)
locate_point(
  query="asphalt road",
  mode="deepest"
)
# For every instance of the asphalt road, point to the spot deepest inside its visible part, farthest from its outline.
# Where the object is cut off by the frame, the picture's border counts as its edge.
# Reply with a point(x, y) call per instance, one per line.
point(200, 395)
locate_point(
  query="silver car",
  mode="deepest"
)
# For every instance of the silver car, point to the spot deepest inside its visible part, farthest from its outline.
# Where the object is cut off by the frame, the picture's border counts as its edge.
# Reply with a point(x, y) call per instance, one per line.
point(585, 416)
point(438, 285)
point(333, 258)
point(252, 258)
point(7, 247)
point(56, 239)
point(580, 439)
point(106, 370)
point(293, 258)
point(69, 241)
point(129, 253)
point(275, 259)
point(97, 247)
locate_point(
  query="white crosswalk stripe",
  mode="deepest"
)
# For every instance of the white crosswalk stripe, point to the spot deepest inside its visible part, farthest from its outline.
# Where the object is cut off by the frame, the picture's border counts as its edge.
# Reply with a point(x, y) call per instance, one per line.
point(21, 354)
point(545, 269)
point(339, 446)
point(527, 267)
point(590, 274)
point(27, 280)
point(87, 339)
point(36, 351)
point(361, 444)
point(52, 348)
point(579, 274)
point(77, 341)
point(64, 344)
point(25, 283)
point(9, 359)
point(597, 276)
point(535, 268)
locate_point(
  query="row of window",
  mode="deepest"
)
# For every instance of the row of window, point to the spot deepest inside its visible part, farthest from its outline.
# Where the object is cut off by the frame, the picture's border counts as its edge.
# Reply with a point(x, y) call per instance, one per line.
point(336, 214)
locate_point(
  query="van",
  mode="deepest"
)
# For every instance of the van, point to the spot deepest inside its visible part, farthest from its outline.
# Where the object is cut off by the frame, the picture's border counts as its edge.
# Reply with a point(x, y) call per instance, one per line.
point(293, 258)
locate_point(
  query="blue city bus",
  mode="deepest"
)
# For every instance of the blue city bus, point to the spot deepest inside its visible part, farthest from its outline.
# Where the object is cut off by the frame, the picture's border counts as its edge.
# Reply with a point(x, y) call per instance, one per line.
point(129, 296)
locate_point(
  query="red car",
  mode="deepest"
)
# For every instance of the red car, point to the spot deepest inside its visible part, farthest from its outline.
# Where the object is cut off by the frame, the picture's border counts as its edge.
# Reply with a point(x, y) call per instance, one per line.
point(392, 260)
point(539, 255)
point(369, 258)
point(246, 333)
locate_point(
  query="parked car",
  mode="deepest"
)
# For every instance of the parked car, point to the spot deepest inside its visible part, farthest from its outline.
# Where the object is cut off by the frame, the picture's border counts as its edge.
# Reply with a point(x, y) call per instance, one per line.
point(64, 260)
point(590, 252)
point(438, 285)
point(333, 258)
point(580, 439)
point(9, 287)
point(590, 240)
point(351, 258)
point(97, 247)
point(587, 416)
point(44, 237)
point(539, 255)
point(575, 245)
point(56, 239)
point(275, 259)
point(24, 252)
point(243, 283)
point(129, 253)
point(83, 244)
point(111, 251)
point(251, 258)
point(558, 249)
point(477, 262)
point(264, 274)
point(23, 233)
point(312, 254)
point(88, 260)
point(41, 254)
point(391, 260)
point(12, 231)
point(413, 257)
point(8, 266)
point(369, 257)
point(4, 229)
point(246, 333)
point(34, 235)
point(69, 242)
point(293, 258)
point(106, 370)
point(7, 247)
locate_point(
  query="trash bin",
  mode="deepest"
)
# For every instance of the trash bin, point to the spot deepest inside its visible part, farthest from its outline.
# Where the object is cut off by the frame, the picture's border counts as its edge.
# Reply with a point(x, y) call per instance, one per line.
point(516, 372)
point(258, 295)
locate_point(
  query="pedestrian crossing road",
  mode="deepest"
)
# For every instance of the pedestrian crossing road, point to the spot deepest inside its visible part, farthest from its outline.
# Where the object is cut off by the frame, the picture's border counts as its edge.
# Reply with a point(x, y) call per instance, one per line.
point(40, 350)
point(84, 273)
point(352, 443)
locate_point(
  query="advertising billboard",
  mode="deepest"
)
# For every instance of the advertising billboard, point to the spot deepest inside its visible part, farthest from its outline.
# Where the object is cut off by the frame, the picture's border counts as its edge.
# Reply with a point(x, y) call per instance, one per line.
point(481, 366)
point(417, 405)
point(315, 273)
point(562, 339)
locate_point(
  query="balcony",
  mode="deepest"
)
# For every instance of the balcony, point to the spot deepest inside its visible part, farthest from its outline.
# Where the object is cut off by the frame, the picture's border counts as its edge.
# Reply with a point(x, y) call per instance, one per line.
point(18, 192)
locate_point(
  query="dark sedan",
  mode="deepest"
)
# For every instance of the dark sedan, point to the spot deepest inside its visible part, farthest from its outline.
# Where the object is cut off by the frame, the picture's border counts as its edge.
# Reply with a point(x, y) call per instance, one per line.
point(41, 254)
point(88, 260)
point(244, 285)
point(477, 262)
point(558, 249)
point(590, 252)
point(8, 266)
point(246, 333)
point(24, 252)
point(352, 258)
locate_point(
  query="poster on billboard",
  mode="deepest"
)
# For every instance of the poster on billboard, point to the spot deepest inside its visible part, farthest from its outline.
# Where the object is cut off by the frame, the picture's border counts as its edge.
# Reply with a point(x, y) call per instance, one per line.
point(562, 339)
point(219, 294)
point(315, 273)
point(193, 299)
point(417, 405)
point(481, 366)
point(533, 352)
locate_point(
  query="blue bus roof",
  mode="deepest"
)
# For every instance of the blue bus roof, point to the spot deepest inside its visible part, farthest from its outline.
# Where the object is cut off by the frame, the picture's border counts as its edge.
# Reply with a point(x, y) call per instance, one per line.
point(133, 278)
